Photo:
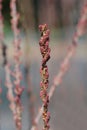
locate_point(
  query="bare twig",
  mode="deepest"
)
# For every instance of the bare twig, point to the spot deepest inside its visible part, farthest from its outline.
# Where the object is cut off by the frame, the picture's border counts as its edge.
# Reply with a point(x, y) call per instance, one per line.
point(17, 72)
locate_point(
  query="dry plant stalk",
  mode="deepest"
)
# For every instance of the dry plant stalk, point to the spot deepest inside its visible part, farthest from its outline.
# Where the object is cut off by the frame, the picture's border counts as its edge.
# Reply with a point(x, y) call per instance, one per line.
point(70, 53)
point(10, 95)
point(17, 72)
point(8, 83)
point(45, 52)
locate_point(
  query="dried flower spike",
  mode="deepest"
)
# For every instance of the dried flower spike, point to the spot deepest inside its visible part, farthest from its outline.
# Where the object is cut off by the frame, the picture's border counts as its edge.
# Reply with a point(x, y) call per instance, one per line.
point(45, 52)
point(17, 72)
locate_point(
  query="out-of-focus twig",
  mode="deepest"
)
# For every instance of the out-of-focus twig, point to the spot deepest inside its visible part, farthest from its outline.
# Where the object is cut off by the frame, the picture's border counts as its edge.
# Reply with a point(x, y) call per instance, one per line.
point(17, 72)
point(9, 85)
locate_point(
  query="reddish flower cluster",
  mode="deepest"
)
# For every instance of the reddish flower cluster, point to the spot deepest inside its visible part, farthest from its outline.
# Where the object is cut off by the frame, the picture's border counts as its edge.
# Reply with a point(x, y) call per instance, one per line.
point(45, 51)
point(17, 71)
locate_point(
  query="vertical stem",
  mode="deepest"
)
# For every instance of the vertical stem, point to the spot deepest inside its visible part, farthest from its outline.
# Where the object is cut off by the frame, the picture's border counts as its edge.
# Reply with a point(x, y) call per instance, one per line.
point(9, 85)
point(45, 52)
point(17, 72)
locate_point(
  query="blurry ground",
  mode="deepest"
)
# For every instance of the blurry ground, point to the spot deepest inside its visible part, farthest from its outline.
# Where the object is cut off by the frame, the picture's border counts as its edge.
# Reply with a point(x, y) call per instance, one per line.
point(68, 106)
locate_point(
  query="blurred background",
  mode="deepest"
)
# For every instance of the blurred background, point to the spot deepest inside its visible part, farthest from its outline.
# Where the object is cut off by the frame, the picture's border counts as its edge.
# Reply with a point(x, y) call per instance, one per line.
point(56, 13)
point(68, 106)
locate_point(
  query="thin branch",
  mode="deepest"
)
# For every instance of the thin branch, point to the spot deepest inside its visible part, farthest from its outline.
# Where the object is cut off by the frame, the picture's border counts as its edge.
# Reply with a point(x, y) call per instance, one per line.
point(17, 72)
point(45, 52)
